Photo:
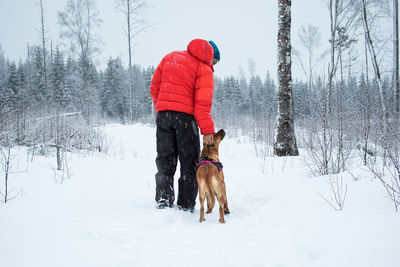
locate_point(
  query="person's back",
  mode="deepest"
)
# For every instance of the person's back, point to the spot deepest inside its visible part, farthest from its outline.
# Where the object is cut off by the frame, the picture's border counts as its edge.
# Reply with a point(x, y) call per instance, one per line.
point(184, 82)
point(182, 90)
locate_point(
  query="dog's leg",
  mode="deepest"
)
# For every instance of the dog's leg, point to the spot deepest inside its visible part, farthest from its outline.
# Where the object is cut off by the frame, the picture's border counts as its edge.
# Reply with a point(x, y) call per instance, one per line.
point(226, 208)
point(221, 201)
point(210, 201)
point(202, 196)
point(202, 209)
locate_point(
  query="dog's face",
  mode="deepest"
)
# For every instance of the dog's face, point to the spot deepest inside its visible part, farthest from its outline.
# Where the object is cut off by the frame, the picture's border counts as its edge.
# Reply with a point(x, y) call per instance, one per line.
point(213, 149)
point(218, 137)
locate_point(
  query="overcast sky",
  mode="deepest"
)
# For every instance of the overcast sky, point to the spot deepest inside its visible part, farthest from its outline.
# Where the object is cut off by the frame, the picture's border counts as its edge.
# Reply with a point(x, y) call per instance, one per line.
point(241, 29)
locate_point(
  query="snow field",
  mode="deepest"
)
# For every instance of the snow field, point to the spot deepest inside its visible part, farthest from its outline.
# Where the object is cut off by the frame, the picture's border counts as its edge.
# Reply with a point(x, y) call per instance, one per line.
point(105, 214)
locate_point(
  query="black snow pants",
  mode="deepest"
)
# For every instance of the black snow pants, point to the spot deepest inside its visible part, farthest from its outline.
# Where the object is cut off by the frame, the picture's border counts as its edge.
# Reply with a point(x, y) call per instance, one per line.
point(177, 137)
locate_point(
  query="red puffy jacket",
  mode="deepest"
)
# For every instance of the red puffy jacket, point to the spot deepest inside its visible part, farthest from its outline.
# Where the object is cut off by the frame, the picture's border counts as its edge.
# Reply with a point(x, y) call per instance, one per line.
point(184, 82)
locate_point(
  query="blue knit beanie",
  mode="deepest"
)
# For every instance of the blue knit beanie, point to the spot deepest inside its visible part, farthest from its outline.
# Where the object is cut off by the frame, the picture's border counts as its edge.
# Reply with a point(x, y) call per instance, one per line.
point(216, 51)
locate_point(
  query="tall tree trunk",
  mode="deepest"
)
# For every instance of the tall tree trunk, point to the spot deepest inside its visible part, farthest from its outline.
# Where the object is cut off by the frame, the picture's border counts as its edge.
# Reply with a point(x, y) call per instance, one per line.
point(43, 44)
point(29, 68)
point(6, 172)
point(128, 17)
point(285, 140)
point(341, 161)
point(366, 109)
point(396, 56)
point(58, 139)
point(371, 50)
point(333, 10)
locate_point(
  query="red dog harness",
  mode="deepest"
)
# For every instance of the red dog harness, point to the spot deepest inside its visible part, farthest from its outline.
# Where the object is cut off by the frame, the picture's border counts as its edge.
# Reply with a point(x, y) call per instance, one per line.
point(203, 160)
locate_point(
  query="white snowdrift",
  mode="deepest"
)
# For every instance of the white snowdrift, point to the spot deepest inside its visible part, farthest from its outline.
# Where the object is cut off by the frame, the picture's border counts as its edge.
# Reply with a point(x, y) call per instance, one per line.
point(105, 214)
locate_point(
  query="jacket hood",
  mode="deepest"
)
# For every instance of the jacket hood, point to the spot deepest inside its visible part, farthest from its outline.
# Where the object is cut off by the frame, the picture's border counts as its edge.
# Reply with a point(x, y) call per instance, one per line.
point(201, 49)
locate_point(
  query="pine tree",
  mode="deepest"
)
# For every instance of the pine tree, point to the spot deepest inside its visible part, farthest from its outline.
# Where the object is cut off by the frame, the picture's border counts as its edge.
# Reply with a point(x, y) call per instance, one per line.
point(259, 97)
point(244, 90)
point(60, 95)
point(231, 94)
point(113, 99)
point(3, 68)
point(72, 83)
point(147, 101)
point(139, 91)
point(15, 86)
point(270, 94)
point(79, 22)
point(237, 95)
point(3, 86)
point(87, 88)
point(16, 100)
point(300, 95)
point(39, 90)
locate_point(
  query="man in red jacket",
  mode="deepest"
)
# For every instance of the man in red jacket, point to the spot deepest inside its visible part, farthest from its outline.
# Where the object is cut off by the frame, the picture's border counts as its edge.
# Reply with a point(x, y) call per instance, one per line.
point(182, 90)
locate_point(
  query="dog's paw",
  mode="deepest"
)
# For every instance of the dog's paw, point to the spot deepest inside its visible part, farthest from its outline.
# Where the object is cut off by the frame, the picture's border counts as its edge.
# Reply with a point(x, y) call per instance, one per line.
point(226, 212)
point(202, 220)
point(208, 211)
point(222, 221)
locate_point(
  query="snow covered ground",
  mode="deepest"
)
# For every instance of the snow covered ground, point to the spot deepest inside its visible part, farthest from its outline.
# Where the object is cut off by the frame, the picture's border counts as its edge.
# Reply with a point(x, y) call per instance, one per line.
point(105, 214)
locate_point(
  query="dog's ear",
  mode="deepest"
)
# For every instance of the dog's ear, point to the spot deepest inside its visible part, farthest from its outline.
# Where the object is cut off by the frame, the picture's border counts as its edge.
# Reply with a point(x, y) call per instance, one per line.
point(221, 133)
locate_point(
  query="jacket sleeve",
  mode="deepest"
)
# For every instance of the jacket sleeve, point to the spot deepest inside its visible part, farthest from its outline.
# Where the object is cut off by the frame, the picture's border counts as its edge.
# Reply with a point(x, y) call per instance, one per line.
point(204, 89)
point(155, 83)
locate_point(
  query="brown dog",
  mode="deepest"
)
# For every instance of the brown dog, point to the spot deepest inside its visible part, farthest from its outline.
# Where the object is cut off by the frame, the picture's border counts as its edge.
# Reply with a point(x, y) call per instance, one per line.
point(210, 179)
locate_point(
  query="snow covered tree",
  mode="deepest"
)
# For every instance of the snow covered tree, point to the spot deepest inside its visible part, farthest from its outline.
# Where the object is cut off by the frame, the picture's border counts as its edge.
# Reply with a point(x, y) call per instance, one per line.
point(133, 13)
point(79, 22)
point(270, 94)
point(285, 139)
point(218, 96)
point(146, 100)
point(310, 40)
point(39, 88)
point(139, 91)
point(396, 82)
point(73, 82)
point(342, 23)
point(60, 95)
point(43, 39)
point(244, 91)
point(365, 110)
point(377, 71)
point(88, 88)
point(14, 86)
point(113, 98)
point(232, 95)
point(16, 101)
point(3, 67)
point(302, 97)
point(257, 97)
point(3, 86)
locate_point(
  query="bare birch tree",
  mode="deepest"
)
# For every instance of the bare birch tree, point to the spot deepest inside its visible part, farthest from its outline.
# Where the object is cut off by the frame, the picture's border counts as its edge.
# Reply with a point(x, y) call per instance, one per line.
point(389, 129)
point(396, 56)
point(285, 139)
point(375, 65)
point(43, 39)
point(342, 17)
point(6, 159)
point(135, 24)
point(79, 21)
point(310, 38)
